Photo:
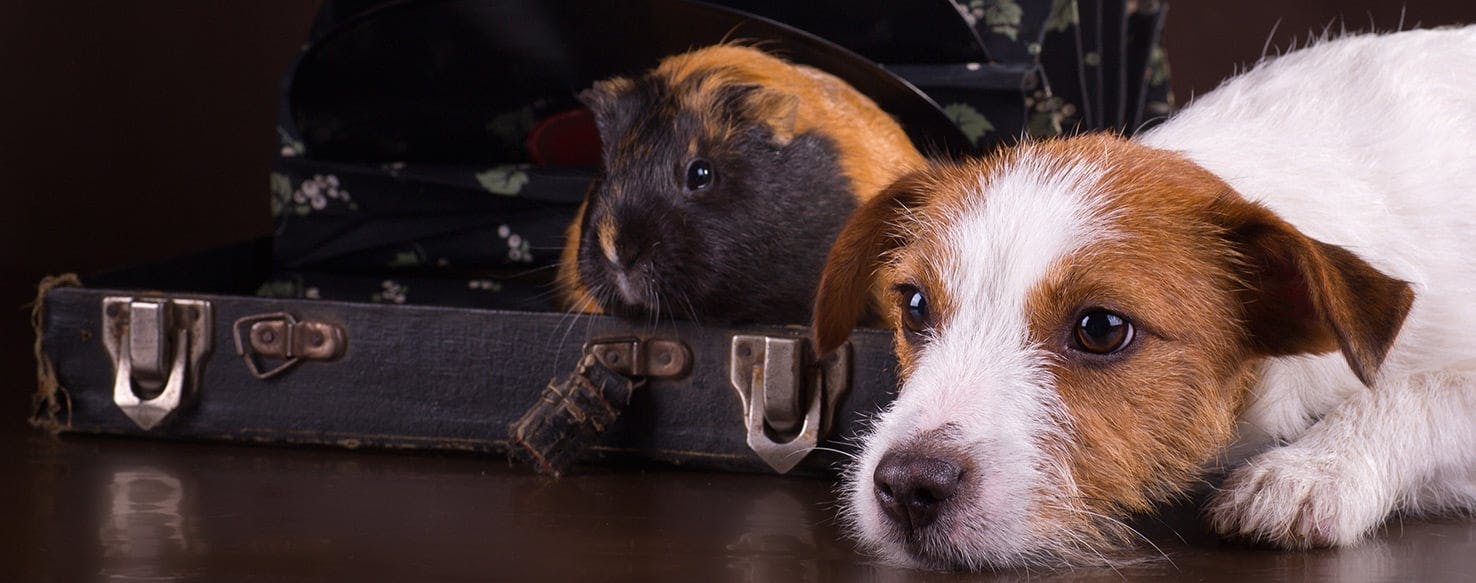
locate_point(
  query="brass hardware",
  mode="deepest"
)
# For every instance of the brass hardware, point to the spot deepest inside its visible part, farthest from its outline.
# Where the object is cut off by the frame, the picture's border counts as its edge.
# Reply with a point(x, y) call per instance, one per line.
point(158, 348)
point(788, 399)
point(642, 358)
point(279, 335)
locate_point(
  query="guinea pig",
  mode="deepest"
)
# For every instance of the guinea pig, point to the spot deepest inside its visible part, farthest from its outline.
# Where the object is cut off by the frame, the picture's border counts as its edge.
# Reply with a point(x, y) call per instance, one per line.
point(727, 172)
point(1274, 284)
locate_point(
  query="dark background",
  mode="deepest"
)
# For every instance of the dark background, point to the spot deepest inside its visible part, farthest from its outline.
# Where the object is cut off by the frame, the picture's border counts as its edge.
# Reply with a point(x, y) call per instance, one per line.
point(143, 129)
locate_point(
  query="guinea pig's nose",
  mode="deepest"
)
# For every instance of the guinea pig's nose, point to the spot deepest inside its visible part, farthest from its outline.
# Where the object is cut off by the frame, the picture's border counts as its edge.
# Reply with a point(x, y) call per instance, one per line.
point(629, 251)
point(912, 484)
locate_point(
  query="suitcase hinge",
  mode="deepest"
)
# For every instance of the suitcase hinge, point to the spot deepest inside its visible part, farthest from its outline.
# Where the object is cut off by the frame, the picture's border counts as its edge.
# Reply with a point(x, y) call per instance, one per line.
point(158, 347)
point(281, 336)
point(789, 399)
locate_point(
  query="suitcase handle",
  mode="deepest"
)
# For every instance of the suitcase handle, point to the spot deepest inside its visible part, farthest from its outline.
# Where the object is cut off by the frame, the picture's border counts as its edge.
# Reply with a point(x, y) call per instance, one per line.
point(571, 412)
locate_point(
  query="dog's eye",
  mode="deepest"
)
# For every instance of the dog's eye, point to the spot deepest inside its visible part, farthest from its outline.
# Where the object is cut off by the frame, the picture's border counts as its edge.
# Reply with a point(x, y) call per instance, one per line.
point(700, 175)
point(1103, 332)
point(915, 316)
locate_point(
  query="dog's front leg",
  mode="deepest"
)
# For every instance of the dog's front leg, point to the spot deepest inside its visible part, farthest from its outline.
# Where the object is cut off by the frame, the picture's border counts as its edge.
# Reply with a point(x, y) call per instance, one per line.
point(1388, 448)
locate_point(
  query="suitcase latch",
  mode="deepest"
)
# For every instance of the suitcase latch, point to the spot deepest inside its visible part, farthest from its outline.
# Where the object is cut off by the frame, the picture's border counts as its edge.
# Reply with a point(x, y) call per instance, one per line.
point(630, 356)
point(158, 347)
point(280, 336)
point(789, 398)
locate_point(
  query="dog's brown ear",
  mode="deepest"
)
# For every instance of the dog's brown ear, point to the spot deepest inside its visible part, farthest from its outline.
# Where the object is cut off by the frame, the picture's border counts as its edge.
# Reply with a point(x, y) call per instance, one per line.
point(1304, 296)
point(846, 283)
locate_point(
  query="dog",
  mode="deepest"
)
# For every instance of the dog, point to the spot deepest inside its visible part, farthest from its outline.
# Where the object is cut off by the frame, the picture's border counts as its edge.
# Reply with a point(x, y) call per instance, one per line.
point(1086, 326)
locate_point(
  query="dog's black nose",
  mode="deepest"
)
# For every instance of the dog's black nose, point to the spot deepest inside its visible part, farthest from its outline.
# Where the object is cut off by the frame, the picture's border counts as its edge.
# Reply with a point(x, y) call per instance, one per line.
point(912, 486)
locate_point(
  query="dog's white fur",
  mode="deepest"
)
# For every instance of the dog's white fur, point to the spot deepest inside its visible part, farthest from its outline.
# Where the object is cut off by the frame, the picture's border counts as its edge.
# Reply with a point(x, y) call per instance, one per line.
point(1366, 142)
point(999, 399)
point(1369, 143)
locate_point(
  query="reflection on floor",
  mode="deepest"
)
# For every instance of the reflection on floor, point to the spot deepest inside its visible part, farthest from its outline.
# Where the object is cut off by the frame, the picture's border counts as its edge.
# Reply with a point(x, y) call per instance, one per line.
point(118, 509)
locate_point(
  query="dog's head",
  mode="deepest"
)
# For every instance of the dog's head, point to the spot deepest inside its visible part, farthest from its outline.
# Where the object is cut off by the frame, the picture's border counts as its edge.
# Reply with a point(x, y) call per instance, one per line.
point(1078, 323)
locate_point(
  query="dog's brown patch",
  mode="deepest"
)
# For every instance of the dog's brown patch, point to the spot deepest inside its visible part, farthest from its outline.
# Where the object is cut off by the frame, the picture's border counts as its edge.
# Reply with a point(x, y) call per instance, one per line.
point(1305, 296)
point(1145, 419)
point(1213, 283)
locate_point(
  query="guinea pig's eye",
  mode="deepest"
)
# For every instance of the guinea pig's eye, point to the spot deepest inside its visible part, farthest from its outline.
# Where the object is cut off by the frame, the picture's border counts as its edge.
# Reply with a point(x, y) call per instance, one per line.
point(700, 175)
point(916, 318)
point(1101, 331)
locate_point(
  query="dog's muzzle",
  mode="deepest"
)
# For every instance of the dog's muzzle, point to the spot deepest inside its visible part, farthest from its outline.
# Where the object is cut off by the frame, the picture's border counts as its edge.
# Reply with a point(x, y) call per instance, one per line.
point(915, 484)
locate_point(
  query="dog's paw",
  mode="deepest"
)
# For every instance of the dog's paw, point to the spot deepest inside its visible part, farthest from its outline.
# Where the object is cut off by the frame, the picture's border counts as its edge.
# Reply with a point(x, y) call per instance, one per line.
point(1298, 499)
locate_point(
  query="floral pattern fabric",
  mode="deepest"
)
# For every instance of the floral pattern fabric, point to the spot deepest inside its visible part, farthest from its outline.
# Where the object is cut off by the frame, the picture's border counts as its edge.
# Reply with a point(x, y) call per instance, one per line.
point(431, 234)
point(1093, 65)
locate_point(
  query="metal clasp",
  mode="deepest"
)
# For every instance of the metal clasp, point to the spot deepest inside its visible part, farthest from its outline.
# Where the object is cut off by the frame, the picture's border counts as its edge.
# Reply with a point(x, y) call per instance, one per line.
point(158, 348)
point(789, 399)
point(631, 356)
point(279, 335)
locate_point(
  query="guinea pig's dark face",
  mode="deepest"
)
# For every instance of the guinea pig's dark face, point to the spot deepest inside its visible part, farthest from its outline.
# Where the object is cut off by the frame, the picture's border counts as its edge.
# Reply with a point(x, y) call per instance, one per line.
point(705, 213)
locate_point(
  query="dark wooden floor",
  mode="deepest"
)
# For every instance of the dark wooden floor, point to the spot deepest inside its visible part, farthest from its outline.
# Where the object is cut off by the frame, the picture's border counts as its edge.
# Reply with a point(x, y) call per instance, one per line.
point(115, 509)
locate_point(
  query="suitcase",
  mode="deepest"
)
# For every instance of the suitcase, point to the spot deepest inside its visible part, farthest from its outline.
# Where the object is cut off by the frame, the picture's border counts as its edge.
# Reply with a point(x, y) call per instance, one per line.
point(402, 302)
point(206, 360)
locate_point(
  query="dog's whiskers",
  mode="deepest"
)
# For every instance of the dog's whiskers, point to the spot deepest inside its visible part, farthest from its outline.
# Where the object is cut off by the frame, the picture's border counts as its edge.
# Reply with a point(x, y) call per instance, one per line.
point(847, 454)
point(1120, 524)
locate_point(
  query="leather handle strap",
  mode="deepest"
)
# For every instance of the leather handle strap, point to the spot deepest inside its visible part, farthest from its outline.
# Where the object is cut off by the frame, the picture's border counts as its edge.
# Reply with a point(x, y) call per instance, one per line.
point(569, 415)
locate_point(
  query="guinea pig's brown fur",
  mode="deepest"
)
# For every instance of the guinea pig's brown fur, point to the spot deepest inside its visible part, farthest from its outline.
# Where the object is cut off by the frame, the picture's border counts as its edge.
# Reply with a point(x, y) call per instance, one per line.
point(799, 146)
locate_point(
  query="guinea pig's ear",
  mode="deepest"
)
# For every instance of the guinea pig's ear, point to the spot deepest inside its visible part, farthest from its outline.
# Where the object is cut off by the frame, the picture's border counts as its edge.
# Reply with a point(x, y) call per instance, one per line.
point(611, 102)
point(1303, 296)
point(851, 267)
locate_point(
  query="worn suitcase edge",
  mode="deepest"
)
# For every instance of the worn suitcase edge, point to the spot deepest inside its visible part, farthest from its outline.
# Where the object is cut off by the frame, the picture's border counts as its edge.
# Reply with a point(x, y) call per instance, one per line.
point(50, 398)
